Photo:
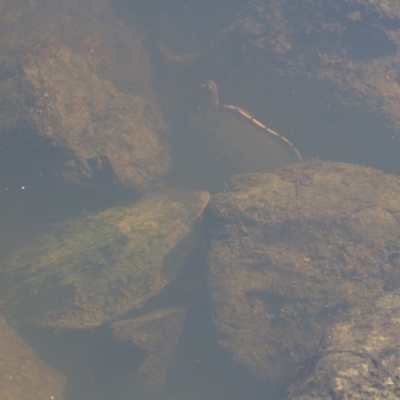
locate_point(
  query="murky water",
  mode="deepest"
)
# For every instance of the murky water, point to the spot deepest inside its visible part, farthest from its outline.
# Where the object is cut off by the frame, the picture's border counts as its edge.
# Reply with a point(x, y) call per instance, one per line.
point(303, 110)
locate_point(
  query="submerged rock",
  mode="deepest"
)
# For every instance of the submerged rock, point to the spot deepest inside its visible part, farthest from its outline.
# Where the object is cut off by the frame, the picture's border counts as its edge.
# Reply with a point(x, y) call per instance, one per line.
point(158, 333)
point(76, 83)
point(92, 270)
point(23, 374)
point(359, 357)
point(292, 252)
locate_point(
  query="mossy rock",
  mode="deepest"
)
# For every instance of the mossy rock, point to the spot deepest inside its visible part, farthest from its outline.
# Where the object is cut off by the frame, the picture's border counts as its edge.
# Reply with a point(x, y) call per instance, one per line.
point(93, 270)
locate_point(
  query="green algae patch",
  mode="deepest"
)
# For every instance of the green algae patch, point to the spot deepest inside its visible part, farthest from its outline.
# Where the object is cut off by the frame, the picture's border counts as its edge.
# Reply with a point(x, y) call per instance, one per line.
point(92, 270)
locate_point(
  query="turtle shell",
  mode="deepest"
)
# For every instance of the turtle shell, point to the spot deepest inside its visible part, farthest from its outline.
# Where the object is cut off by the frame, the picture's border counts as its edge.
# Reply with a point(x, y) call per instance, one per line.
point(231, 141)
point(92, 270)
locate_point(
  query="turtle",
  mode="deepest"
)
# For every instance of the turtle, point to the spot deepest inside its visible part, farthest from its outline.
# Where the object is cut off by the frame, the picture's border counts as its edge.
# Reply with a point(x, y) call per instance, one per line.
point(229, 140)
point(93, 270)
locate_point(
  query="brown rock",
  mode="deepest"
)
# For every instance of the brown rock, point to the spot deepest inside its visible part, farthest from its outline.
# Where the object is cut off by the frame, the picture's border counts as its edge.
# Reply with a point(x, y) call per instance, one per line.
point(80, 82)
point(23, 374)
point(359, 358)
point(291, 253)
point(158, 333)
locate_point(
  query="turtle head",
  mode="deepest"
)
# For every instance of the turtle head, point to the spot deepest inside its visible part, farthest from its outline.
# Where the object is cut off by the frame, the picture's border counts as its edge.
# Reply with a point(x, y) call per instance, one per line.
point(212, 92)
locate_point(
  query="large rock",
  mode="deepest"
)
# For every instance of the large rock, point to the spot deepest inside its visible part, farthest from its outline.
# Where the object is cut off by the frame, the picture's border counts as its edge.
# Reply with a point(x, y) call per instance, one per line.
point(93, 270)
point(291, 253)
point(350, 44)
point(78, 83)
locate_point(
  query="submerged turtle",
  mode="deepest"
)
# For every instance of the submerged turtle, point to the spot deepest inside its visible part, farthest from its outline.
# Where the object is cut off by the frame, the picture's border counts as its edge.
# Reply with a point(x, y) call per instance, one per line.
point(231, 141)
point(93, 270)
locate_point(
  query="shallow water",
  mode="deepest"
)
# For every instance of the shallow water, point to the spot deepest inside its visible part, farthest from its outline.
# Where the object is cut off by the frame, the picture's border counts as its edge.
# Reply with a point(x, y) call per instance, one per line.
point(303, 110)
